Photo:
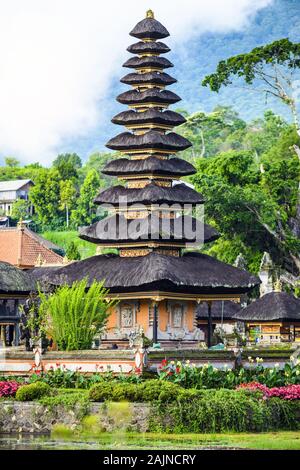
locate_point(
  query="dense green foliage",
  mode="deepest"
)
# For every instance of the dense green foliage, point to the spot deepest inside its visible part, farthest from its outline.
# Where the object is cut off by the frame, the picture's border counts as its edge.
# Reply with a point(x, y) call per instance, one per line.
point(224, 410)
point(33, 391)
point(72, 316)
point(251, 188)
point(147, 391)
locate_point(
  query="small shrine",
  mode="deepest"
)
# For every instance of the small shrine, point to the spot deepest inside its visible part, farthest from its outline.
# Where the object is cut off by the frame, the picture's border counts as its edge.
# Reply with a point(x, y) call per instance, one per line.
point(273, 318)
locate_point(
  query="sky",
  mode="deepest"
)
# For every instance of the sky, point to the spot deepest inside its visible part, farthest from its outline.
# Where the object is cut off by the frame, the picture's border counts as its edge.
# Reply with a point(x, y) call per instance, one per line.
point(61, 60)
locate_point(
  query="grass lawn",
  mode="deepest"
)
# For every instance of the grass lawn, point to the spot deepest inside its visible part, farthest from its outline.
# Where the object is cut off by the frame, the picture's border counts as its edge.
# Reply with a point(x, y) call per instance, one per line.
point(285, 440)
point(62, 239)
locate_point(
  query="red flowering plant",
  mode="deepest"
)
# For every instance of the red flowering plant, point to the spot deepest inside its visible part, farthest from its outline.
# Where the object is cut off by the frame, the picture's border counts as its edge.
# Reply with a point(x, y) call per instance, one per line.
point(287, 392)
point(8, 388)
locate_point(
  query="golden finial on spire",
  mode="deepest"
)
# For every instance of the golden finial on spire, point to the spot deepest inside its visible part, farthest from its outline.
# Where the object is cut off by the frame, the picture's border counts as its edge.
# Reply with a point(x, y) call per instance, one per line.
point(149, 14)
point(278, 286)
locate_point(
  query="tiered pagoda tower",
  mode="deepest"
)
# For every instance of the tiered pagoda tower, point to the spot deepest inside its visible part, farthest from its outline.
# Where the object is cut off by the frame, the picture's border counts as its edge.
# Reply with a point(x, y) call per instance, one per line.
point(158, 284)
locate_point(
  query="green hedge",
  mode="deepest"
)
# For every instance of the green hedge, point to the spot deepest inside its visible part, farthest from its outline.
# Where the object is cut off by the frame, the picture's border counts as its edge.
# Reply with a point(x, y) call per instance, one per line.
point(209, 411)
point(150, 390)
point(33, 391)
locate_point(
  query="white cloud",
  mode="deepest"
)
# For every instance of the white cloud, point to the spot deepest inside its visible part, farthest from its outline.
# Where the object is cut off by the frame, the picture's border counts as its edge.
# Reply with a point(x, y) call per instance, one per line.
point(57, 58)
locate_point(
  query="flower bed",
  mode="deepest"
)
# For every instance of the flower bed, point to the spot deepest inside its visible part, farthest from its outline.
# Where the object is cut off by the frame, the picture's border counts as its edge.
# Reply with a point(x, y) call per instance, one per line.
point(8, 388)
point(289, 392)
point(208, 376)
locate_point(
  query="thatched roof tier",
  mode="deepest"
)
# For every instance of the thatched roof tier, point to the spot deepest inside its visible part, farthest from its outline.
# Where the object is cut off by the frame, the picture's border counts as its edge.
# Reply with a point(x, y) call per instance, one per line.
point(152, 95)
point(194, 273)
point(149, 28)
point(152, 139)
point(146, 62)
point(150, 116)
point(150, 194)
point(118, 229)
point(219, 310)
point(149, 166)
point(13, 280)
point(271, 307)
point(155, 78)
point(152, 47)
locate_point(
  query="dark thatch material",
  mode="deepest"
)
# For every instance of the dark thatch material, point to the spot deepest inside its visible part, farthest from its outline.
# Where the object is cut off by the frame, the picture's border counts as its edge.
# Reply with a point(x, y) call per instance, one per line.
point(152, 95)
point(149, 28)
point(155, 78)
point(219, 309)
point(150, 194)
point(150, 140)
point(146, 62)
point(150, 116)
point(154, 47)
point(193, 272)
point(13, 280)
point(150, 166)
point(119, 229)
point(272, 306)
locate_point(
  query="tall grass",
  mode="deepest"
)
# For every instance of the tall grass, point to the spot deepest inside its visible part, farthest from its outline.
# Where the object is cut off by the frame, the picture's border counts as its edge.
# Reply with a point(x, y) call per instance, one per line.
point(74, 315)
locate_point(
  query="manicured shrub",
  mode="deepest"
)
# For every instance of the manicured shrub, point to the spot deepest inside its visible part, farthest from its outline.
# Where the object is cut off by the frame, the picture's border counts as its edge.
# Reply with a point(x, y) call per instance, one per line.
point(148, 391)
point(124, 391)
point(101, 392)
point(154, 389)
point(8, 388)
point(33, 391)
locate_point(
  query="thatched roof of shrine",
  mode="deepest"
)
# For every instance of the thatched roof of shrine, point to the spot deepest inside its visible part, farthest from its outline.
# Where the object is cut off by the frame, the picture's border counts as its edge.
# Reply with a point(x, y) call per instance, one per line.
point(150, 194)
point(146, 62)
point(192, 273)
point(152, 95)
point(150, 165)
point(149, 28)
point(154, 47)
point(219, 309)
point(270, 307)
point(150, 140)
point(149, 77)
point(14, 280)
point(149, 116)
point(118, 229)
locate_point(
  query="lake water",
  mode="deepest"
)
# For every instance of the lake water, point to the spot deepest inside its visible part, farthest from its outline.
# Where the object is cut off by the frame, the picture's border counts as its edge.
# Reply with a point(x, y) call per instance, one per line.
point(120, 441)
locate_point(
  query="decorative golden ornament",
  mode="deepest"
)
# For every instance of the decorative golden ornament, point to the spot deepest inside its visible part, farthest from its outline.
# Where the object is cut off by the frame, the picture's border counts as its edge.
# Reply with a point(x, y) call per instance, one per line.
point(150, 14)
point(278, 286)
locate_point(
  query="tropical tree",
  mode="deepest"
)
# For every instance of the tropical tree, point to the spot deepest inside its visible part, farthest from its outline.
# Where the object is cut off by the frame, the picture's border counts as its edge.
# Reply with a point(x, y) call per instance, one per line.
point(20, 209)
point(73, 315)
point(67, 197)
point(45, 196)
point(72, 252)
point(86, 208)
point(268, 69)
point(11, 162)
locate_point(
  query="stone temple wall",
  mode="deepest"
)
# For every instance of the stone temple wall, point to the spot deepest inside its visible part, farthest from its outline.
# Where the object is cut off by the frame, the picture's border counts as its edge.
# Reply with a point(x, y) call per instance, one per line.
point(35, 418)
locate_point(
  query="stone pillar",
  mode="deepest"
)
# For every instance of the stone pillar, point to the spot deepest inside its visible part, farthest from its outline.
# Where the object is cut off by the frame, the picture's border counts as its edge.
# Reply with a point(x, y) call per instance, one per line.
point(209, 325)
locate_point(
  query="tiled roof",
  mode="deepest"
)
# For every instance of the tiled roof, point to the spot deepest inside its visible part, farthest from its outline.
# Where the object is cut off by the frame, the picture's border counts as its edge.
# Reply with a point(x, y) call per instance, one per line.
point(21, 247)
point(13, 185)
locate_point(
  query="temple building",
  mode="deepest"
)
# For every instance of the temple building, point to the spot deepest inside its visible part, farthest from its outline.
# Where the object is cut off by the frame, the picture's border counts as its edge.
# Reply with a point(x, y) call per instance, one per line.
point(15, 287)
point(159, 284)
point(273, 318)
point(25, 249)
